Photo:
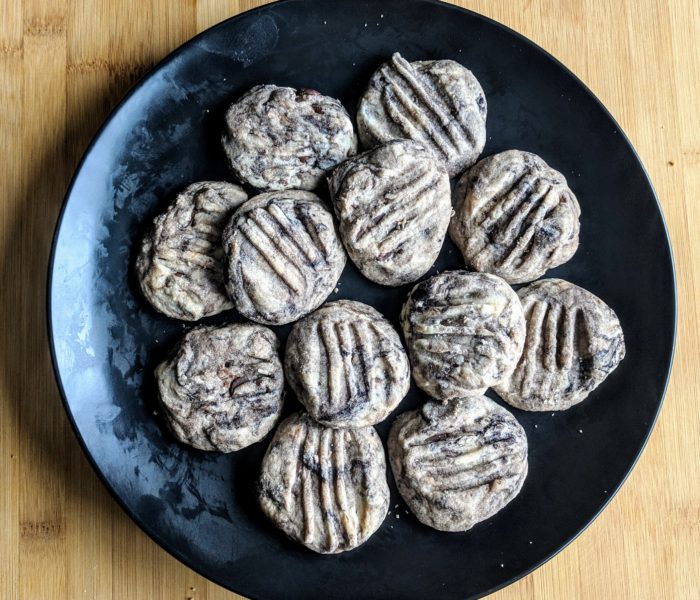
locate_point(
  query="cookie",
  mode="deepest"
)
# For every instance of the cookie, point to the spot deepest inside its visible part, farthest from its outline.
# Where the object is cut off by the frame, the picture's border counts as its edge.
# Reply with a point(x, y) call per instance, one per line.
point(574, 341)
point(346, 364)
point(279, 138)
point(458, 464)
point(394, 206)
point(464, 332)
point(222, 388)
point(515, 217)
point(180, 265)
point(325, 488)
point(284, 256)
point(437, 102)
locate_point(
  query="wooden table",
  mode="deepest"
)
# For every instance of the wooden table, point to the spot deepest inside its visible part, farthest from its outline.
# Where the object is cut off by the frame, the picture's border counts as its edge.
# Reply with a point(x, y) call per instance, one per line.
point(65, 63)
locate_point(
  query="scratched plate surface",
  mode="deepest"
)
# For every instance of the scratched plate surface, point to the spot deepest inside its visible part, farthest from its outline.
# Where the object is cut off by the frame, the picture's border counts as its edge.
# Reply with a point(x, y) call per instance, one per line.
point(106, 339)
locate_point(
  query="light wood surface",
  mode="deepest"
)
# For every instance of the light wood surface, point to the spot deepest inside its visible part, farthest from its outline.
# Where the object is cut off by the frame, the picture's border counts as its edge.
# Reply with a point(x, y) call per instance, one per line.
point(65, 63)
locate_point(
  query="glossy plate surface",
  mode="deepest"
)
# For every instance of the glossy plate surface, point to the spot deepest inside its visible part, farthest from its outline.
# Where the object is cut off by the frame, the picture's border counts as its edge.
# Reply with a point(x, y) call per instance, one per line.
point(106, 340)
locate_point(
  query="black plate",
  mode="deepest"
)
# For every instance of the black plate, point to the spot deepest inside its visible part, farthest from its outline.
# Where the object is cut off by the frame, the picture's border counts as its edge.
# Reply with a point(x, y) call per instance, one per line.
point(106, 340)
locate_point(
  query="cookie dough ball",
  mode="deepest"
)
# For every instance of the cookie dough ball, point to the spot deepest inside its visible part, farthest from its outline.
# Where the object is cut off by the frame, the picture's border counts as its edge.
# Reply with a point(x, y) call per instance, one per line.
point(574, 341)
point(279, 138)
point(222, 389)
point(464, 331)
point(437, 102)
point(394, 207)
point(346, 364)
point(180, 266)
point(284, 256)
point(458, 464)
point(515, 217)
point(325, 488)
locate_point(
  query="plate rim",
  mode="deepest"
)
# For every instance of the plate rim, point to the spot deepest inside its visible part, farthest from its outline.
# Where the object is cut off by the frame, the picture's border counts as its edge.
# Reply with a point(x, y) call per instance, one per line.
point(174, 54)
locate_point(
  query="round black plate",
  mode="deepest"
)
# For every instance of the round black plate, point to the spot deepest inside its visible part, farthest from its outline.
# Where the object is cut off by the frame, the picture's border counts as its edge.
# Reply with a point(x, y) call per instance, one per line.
point(106, 340)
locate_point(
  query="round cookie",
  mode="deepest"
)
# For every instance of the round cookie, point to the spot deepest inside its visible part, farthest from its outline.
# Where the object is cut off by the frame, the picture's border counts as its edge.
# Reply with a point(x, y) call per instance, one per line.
point(284, 256)
point(437, 102)
point(458, 464)
point(222, 389)
point(180, 265)
point(515, 217)
point(394, 206)
point(346, 364)
point(574, 341)
point(464, 332)
point(279, 138)
point(325, 488)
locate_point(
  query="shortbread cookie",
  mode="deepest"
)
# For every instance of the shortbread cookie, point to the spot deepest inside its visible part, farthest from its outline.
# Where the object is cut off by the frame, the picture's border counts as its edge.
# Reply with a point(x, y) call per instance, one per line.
point(279, 138)
point(222, 389)
point(574, 341)
point(180, 265)
point(284, 256)
point(464, 332)
point(515, 217)
point(437, 102)
point(393, 204)
point(458, 464)
point(325, 488)
point(346, 364)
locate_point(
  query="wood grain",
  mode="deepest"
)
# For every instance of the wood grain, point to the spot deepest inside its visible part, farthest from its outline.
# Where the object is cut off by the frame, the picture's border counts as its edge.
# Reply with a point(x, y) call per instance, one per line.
point(65, 63)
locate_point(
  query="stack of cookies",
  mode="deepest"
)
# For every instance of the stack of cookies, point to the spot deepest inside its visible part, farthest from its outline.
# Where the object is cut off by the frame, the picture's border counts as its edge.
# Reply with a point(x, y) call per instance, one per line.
point(277, 256)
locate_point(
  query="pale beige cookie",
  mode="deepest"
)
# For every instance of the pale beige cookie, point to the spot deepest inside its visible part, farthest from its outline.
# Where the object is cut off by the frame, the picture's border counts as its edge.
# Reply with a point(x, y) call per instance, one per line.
point(222, 388)
point(464, 332)
point(325, 488)
point(284, 256)
point(279, 138)
point(346, 364)
point(515, 217)
point(459, 463)
point(393, 204)
point(437, 102)
point(180, 265)
point(574, 341)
